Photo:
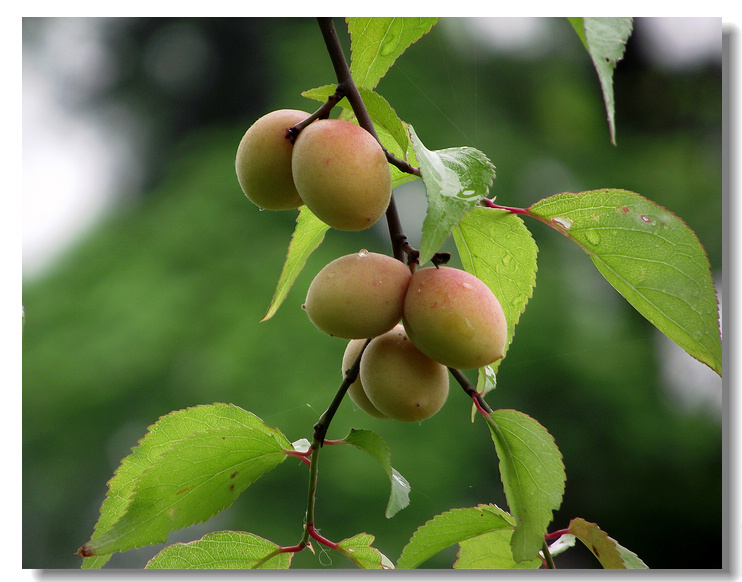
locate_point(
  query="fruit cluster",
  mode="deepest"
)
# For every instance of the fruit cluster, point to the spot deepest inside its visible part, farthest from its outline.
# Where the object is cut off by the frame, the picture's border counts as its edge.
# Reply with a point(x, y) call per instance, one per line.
point(335, 167)
point(449, 318)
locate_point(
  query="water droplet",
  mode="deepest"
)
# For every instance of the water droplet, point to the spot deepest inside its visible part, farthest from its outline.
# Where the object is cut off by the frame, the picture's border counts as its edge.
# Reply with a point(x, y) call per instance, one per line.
point(592, 237)
point(565, 223)
point(467, 286)
point(647, 220)
point(506, 259)
point(363, 253)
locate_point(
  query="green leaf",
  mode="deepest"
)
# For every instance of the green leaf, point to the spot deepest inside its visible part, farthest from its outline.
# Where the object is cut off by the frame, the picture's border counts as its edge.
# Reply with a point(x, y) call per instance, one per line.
point(532, 474)
point(358, 549)
point(377, 42)
point(651, 257)
point(455, 179)
point(610, 554)
point(452, 527)
point(393, 133)
point(161, 436)
point(374, 445)
point(492, 551)
point(497, 248)
point(196, 474)
point(486, 382)
point(605, 41)
point(231, 550)
point(308, 234)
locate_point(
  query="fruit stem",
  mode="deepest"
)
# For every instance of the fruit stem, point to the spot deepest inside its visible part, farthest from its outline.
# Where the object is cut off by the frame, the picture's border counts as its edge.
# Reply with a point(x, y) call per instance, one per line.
point(469, 388)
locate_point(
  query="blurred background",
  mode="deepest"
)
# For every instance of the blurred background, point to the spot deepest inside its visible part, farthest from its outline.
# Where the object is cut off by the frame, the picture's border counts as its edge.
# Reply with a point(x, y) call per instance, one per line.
point(146, 272)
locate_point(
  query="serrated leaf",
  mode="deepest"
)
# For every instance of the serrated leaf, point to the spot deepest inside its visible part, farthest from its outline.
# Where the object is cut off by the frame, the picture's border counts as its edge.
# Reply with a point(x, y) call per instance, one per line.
point(374, 445)
point(160, 436)
point(491, 551)
point(358, 549)
point(391, 130)
point(200, 473)
point(377, 42)
point(532, 474)
point(455, 179)
point(452, 527)
point(496, 247)
point(308, 235)
point(610, 554)
point(605, 40)
point(651, 257)
point(231, 550)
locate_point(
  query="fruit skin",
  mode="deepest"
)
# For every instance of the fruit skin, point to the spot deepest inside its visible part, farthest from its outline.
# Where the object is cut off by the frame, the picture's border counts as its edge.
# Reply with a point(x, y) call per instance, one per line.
point(454, 318)
point(360, 295)
point(355, 390)
point(263, 162)
point(342, 174)
point(399, 380)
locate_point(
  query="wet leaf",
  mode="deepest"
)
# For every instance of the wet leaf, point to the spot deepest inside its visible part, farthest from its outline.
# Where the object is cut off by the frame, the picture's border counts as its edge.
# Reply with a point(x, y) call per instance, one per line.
point(651, 257)
point(455, 179)
point(532, 474)
point(377, 42)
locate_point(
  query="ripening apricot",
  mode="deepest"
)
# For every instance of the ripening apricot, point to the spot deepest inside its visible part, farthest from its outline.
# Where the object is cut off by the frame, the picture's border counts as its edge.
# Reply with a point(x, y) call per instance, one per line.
point(355, 391)
point(358, 296)
point(341, 174)
point(263, 161)
point(399, 380)
point(454, 318)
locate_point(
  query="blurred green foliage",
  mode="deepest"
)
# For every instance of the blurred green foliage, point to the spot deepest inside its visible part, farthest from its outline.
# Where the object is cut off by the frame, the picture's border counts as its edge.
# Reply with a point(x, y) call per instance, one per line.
point(159, 308)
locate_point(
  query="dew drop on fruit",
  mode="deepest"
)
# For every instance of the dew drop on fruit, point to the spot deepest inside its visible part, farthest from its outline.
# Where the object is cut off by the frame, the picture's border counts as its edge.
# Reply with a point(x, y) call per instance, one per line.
point(363, 253)
point(467, 286)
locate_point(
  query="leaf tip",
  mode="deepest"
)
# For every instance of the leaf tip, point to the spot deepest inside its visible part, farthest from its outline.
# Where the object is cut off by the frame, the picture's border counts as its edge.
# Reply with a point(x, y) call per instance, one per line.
point(85, 551)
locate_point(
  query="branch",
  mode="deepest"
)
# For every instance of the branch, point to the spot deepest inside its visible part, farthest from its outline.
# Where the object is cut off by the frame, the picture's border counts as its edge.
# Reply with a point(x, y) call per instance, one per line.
point(342, 72)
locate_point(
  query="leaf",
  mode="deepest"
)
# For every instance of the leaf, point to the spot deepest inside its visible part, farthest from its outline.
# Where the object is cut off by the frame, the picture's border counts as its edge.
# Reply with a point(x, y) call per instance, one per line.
point(497, 248)
point(391, 130)
point(358, 549)
point(532, 474)
point(166, 432)
point(651, 257)
point(491, 550)
point(377, 42)
point(200, 473)
point(605, 41)
point(308, 234)
point(221, 550)
point(374, 445)
point(486, 382)
point(455, 179)
point(610, 554)
point(452, 527)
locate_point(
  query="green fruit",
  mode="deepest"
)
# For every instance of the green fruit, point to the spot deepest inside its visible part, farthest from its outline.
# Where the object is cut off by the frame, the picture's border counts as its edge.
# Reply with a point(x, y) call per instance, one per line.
point(454, 318)
point(399, 380)
point(341, 174)
point(358, 296)
point(355, 391)
point(263, 161)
